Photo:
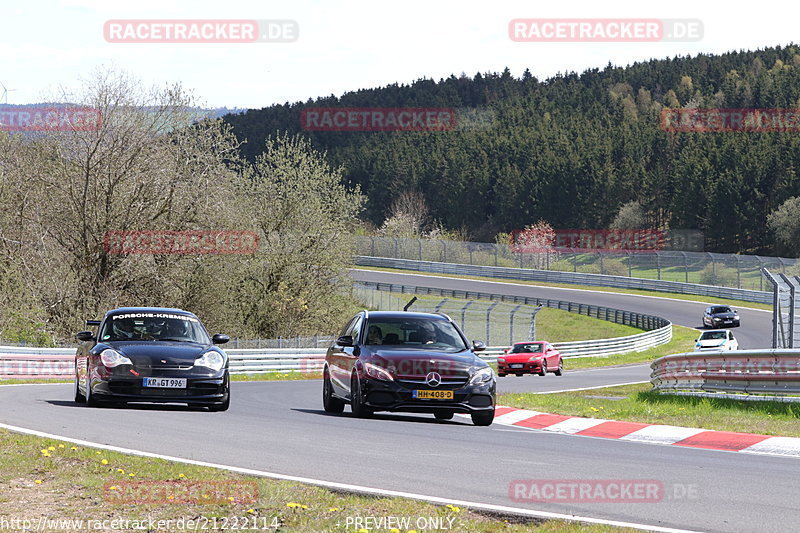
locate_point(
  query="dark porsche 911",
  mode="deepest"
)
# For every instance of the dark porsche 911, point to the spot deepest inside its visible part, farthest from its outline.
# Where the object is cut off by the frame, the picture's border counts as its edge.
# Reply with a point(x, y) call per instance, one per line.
point(151, 354)
point(411, 362)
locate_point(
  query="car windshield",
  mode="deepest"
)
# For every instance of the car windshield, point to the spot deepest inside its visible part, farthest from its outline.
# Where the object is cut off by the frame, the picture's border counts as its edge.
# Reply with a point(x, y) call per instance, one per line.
point(527, 348)
point(153, 327)
point(709, 335)
point(421, 333)
point(721, 310)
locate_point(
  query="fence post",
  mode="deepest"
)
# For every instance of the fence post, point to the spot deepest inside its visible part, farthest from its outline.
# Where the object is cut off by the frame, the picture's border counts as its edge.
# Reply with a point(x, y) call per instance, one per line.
point(686, 265)
point(439, 305)
point(372, 246)
point(791, 310)
point(533, 323)
point(511, 324)
point(488, 321)
point(738, 273)
point(658, 264)
point(464, 314)
point(630, 265)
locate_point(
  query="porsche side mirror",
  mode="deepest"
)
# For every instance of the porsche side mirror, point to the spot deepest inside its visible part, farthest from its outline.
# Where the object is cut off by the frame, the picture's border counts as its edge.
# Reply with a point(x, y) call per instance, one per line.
point(220, 338)
point(85, 336)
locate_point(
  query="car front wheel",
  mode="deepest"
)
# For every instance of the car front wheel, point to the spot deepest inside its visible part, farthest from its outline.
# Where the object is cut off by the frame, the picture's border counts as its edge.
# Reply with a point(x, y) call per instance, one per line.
point(329, 403)
point(79, 397)
point(482, 418)
point(356, 399)
point(543, 371)
point(560, 369)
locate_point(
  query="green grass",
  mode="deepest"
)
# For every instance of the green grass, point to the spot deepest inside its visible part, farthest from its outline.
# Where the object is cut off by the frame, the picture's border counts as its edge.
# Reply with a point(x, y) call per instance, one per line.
point(638, 403)
point(682, 341)
point(672, 295)
point(44, 478)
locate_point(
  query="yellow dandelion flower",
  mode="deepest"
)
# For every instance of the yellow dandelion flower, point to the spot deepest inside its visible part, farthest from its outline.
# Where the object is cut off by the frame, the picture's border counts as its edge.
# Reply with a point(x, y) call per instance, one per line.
point(97, 453)
point(594, 409)
point(43, 450)
point(74, 448)
point(334, 509)
point(104, 461)
point(251, 511)
point(394, 530)
point(61, 446)
point(230, 498)
point(132, 474)
point(51, 448)
point(112, 488)
point(121, 471)
point(181, 475)
point(38, 481)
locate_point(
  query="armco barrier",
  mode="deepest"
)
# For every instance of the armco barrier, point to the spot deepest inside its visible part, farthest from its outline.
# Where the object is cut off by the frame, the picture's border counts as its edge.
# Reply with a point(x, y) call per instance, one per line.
point(552, 276)
point(745, 371)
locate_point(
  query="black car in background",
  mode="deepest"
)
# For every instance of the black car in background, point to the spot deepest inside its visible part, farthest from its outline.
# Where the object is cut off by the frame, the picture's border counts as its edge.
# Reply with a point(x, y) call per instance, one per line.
point(410, 362)
point(151, 354)
point(720, 316)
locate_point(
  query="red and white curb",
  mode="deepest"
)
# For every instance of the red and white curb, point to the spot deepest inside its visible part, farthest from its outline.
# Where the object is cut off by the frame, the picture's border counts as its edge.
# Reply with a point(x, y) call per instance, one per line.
point(649, 433)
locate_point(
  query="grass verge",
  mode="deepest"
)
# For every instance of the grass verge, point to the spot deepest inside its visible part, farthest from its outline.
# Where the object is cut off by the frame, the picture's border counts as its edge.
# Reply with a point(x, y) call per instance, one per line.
point(638, 403)
point(51, 480)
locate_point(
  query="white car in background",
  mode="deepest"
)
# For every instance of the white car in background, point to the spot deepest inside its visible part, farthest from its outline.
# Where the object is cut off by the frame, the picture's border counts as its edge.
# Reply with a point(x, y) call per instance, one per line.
point(716, 340)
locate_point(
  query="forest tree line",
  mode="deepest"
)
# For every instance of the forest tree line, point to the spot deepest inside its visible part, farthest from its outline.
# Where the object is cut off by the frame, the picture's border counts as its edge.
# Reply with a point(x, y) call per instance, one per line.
point(574, 149)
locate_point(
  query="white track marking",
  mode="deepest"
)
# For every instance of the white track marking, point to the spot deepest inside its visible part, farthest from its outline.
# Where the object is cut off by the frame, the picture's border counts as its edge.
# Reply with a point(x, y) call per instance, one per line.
point(352, 488)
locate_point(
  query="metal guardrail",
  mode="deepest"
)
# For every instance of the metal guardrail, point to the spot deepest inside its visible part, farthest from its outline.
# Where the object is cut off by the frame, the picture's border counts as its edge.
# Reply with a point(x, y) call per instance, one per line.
point(745, 371)
point(552, 276)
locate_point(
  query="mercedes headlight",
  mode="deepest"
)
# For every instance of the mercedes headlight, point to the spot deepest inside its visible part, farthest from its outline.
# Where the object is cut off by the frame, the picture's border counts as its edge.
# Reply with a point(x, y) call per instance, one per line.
point(377, 372)
point(484, 375)
point(112, 358)
point(211, 359)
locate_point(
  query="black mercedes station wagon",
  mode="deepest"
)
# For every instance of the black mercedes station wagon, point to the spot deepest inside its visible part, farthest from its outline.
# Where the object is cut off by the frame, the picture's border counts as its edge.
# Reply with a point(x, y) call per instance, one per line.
point(410, 362)
point(151, 354)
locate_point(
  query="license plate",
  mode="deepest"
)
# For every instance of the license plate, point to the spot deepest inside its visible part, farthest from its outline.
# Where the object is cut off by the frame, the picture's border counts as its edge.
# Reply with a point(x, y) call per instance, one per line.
point(433, 394)
point(516, 366)
point(728, 321)
point(165, 383)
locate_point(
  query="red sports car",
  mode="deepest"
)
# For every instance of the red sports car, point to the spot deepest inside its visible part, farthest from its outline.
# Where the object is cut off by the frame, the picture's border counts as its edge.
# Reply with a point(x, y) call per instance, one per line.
point(532, 357)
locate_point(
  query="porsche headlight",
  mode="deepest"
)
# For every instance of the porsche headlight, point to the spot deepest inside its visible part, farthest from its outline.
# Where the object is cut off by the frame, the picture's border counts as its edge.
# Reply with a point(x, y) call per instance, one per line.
point(211, 359)
point(484, 375)
point(112, 358)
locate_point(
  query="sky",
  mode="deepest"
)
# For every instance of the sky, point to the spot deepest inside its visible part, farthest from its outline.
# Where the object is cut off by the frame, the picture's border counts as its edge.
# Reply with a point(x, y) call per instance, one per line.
point(345, 45)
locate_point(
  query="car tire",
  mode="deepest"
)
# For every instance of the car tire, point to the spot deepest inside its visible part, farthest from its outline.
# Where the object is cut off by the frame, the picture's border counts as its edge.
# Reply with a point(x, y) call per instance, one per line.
point(499, 375)
point(79, 398)
point(357, 406)
point(560, 370)
point(218, 407)
point(90, 399)
point(482, 418)
point(329, 403)
point(518, 375)
point(443, 414)
point(543, 371)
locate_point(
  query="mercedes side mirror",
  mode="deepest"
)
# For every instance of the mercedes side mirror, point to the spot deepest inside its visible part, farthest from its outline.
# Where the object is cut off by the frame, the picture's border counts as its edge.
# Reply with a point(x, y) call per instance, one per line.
point(345, 340)
point(478, 346)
